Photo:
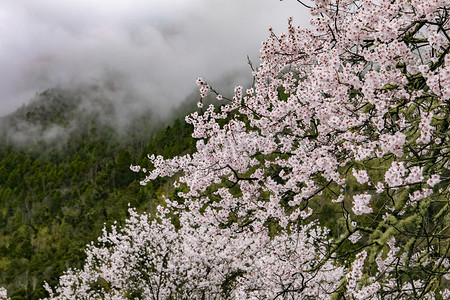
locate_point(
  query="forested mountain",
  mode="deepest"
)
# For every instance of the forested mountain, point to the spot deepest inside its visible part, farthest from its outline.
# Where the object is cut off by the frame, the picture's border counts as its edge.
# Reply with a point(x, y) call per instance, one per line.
point(64, 173)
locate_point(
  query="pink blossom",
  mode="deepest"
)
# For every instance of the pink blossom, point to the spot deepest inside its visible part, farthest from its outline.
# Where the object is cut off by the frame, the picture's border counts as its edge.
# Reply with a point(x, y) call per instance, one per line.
point(361, 204)
point(394, 176)
point(433, 180)
point(361, 176)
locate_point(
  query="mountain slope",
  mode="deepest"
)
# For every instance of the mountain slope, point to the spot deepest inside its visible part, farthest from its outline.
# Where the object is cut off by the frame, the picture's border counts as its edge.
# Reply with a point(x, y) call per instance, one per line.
point(64, 173)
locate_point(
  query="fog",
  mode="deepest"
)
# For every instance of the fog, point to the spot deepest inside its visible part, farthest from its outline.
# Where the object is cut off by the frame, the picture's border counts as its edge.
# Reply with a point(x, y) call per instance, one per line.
point(154, 48)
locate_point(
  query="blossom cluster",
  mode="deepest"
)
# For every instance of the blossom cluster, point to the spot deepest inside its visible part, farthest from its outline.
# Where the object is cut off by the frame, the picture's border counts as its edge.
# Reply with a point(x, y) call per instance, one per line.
point(151, 259)
point(364, 87)
point(3, 294)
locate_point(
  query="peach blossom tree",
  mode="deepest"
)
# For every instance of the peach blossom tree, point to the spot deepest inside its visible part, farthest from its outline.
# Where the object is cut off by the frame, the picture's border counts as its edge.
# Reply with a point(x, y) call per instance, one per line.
point(351, 115)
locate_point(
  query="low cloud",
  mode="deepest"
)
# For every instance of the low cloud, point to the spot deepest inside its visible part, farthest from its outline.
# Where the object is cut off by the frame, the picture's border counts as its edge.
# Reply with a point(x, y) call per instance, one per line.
point(152, 50)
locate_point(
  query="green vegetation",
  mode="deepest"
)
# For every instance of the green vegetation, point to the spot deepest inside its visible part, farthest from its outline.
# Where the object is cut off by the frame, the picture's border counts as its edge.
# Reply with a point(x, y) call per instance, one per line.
point(56, 195)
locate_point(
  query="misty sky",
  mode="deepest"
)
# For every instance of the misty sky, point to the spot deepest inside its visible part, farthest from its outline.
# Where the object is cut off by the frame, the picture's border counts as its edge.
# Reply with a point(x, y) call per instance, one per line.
point(157, 48)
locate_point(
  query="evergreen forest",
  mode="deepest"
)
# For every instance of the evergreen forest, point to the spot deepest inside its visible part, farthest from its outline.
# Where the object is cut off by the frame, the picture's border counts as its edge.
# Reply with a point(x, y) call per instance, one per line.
point(64, 175)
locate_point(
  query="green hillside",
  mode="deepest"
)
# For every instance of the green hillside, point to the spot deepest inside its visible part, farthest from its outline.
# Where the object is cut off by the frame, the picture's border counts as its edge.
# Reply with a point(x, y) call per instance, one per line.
point(64, 173)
